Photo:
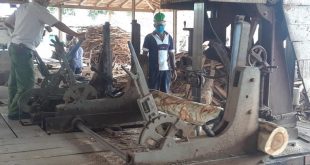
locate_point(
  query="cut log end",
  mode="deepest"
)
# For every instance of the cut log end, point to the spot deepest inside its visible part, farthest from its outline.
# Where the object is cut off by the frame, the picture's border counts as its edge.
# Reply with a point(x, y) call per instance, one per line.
point(272, 139)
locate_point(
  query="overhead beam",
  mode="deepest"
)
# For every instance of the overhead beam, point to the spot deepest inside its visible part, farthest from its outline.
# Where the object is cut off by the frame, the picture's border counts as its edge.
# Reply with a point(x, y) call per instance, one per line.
point(14, 1)
point(138, 3)
point(123, 3)
point(101, 1)
point(108, 5)
point(149, 4)
point(82, 2)
point(103, 8)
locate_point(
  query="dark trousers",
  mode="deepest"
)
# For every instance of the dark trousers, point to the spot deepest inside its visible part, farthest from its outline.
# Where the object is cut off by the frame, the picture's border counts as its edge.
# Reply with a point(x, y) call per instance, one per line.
point(21, 75)
point(160, 80)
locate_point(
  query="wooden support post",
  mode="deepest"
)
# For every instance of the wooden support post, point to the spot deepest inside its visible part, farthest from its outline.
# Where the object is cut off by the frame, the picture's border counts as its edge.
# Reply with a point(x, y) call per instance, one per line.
point(175, 30)
point(60, 34)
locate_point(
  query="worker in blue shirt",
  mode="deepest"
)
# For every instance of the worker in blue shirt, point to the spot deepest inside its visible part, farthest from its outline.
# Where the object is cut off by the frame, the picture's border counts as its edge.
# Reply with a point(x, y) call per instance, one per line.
point(158, 45)
point(76, 59)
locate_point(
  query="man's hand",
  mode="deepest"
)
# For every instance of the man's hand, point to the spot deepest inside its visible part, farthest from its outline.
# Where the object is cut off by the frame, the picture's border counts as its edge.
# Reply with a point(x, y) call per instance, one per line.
point(174, 75)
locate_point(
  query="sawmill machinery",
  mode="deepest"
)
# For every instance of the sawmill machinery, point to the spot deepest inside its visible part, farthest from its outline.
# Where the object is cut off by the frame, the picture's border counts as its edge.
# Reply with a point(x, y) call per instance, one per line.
point(259, 68)
point(61, 97)
point(261, 71)
point(260, 74)
point(55, 88)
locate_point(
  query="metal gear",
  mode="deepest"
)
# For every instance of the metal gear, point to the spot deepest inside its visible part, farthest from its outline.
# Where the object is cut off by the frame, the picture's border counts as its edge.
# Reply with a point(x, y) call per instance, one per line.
point(79, 93)
point(164, 129)
point(257, 56)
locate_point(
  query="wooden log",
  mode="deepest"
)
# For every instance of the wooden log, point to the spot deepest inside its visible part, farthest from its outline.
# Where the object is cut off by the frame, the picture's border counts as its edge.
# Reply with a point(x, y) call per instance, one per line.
point(189, 111)
point(207, 91)
point(272, 139)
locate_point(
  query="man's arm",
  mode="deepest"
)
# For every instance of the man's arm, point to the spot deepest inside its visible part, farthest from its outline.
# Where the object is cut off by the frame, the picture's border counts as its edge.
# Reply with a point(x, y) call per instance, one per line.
point(46, 18)
point(64, 28)
point(146, 46)
point(10, 21)
point(172, 60)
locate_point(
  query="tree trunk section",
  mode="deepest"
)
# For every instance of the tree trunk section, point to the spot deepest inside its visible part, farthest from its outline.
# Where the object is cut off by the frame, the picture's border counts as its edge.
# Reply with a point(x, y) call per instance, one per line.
point(272, 139)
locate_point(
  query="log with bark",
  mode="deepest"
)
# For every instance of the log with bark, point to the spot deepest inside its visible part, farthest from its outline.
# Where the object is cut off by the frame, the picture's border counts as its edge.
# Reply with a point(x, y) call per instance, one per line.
point(272, 139)
point(189, 111)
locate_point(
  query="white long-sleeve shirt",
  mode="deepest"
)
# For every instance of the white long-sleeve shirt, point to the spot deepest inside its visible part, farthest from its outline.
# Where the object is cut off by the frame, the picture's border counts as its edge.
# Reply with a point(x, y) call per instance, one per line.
point(29, 20)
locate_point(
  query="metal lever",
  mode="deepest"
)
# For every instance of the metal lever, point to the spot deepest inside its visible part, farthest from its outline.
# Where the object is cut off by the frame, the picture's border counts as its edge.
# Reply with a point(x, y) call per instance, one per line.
point(146, 101)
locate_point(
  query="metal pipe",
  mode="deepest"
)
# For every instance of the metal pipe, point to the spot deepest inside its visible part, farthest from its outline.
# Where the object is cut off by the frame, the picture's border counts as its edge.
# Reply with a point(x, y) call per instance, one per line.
point(79, 124)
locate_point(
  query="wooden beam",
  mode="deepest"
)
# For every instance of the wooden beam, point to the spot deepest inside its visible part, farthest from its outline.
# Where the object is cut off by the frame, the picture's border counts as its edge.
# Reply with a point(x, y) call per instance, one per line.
point(123, 3)
point(138, 3)
point(149, 4)
point(108, 5)
point(101, 1)
point(103, 8)
point(82, 2)
point(133, 9)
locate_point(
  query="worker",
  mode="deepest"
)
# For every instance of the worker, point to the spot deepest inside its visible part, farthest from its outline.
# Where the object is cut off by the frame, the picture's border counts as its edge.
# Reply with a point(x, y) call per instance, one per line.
point(158, 45)
point(27, 23)
point(75, 59)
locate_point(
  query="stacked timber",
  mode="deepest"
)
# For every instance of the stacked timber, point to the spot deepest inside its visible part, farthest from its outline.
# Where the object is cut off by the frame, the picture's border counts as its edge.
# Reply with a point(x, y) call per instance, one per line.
point(93, 44)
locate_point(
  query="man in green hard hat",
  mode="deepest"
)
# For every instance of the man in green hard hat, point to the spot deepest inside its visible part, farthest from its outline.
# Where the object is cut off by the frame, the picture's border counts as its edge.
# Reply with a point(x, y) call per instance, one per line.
point(159, 47)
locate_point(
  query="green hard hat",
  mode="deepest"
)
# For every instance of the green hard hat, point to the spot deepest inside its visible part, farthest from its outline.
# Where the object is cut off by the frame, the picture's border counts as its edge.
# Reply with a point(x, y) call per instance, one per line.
point(159, 17)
